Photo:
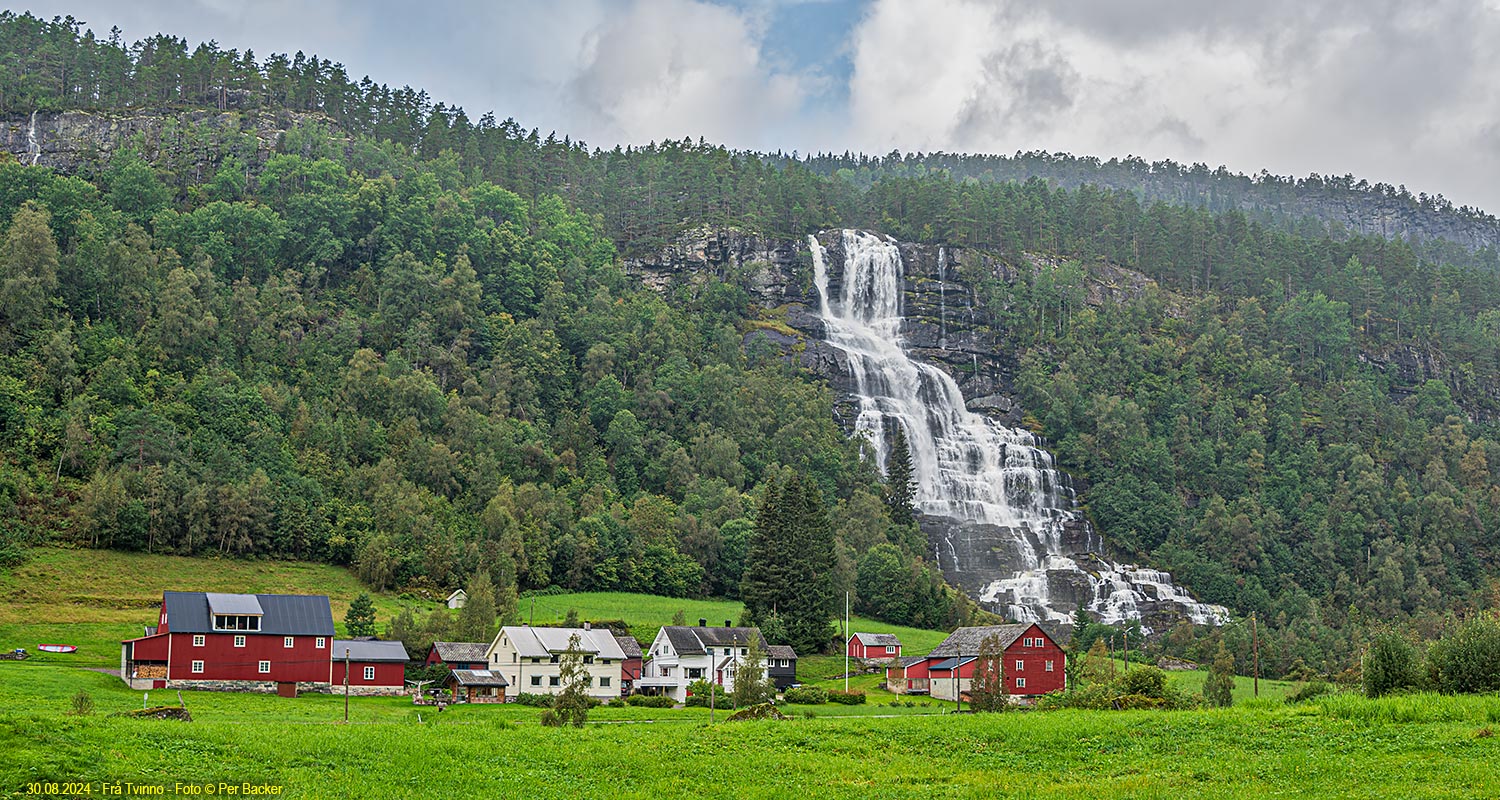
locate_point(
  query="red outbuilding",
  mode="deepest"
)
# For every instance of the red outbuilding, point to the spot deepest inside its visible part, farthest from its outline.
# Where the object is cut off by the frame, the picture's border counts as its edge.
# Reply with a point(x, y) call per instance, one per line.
point(874, 646)
point(459, 655)
point(909, 675)
point(630, 668)
point(1033, 662)
point(374, 667)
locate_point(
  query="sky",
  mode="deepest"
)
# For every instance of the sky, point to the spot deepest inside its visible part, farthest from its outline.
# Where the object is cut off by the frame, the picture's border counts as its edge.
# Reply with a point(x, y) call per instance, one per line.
point(1396, 91)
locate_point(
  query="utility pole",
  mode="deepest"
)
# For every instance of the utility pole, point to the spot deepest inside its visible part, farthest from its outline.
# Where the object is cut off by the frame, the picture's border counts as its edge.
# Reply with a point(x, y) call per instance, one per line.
point(846, 642)
point(1126, 634)
point(1255, 649)
point(346, 685)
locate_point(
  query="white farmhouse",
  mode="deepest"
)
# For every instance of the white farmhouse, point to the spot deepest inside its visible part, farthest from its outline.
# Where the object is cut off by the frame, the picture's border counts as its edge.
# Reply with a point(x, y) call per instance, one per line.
point(529, 658)
point(681, 654)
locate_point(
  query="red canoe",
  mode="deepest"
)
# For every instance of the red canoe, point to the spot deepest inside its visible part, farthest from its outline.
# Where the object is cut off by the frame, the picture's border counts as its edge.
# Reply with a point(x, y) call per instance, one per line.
point(57, 648)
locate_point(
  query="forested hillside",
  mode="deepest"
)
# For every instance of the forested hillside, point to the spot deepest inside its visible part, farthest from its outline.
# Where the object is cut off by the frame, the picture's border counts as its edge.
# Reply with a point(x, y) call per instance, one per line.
point(402, 340)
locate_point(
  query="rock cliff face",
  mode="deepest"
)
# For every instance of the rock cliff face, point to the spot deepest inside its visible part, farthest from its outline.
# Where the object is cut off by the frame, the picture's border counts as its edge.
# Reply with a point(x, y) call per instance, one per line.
point(76, 141)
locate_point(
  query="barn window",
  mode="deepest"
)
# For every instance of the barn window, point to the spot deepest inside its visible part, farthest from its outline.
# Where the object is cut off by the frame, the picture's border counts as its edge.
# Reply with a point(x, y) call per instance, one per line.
point(890, 649)
point(264, 667)
point(1020, 665)
point(239, 641)
point(288, 641)
point(369, 673)
point(1049, 666)
point(236, 622)
point(197, 666)
point(197, 640)
point(1020, 683)
point(321, 642)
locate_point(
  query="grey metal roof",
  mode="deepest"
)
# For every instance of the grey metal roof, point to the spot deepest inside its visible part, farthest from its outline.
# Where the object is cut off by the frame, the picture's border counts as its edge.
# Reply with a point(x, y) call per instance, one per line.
point(450, 652)
point(878, 639)
point(781, 651)
point(368, 650)
point(539, 642)
point(949, 663)
point(628, 645)
point(479, 677)
point(969, 640)
point(283, 614)
point(240, 604)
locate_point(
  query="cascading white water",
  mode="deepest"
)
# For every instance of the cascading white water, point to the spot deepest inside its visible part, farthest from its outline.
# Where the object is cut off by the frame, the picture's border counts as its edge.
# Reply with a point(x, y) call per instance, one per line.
point(33, 147)
point(967, 467)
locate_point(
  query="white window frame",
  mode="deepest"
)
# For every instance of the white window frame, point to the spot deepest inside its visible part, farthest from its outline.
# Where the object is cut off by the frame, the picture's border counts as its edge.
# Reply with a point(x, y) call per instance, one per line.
point(604, 681)
point(1049, 666)
point(197, 667)
point(369, 673)
point(1020, 683)
point(288, 641)
point(239, 641)
point(264, 667)
point(199, 640)
point(890, 648)
point(1020, 665)
point(321, 642)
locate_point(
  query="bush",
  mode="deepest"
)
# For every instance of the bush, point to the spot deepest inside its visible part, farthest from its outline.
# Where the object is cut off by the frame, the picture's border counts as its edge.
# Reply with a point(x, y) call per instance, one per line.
point(853, 697)
point(806, 696)
point(83, 704)
point(1143, 681)
point(1468, 659)
point(536, 700)
point(650, 701)
point(1308, 691)
point(701, 690)
point(1392, 664)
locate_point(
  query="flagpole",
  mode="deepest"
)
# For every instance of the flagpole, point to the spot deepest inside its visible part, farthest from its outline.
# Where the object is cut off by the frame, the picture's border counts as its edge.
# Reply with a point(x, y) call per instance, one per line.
point(846, 641)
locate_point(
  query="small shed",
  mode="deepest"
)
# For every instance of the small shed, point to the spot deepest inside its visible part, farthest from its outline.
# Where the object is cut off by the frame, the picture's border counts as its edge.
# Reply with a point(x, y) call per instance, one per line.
point(874, 646)
point(457, 599)
point(477, 686)
point(630, 668)
point(374, 667)
point(458, 655)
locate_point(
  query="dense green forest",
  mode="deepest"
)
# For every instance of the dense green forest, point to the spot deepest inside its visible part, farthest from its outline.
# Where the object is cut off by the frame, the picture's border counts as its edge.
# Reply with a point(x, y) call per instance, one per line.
point(404, 341)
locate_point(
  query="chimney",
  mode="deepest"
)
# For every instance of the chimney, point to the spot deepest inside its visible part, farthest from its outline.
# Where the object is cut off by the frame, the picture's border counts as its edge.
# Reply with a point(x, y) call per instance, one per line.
point(702, 623)
point(728, 624)
point(587, 626)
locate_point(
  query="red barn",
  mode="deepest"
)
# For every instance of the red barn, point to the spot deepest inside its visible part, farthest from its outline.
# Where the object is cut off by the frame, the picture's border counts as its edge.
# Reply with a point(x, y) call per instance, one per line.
point(874, 646)
point(374, 667)
point(1033, 662)
point(909, 675)
point(259, 642)
point(459, 655)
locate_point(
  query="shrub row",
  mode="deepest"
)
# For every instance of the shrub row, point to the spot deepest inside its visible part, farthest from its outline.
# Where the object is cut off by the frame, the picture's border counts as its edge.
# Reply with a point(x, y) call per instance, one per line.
point(806, 696)
point(650, 701)
point(851, 698)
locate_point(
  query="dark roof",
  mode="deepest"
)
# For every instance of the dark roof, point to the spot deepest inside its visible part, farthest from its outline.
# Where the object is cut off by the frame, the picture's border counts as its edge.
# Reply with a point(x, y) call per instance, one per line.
point(684, 642)
point(690, 641)
point(781, 651)
point(282, 614)
point(907, 661)
point(629, 646)
point(950, 663)
point(968, 640)
point(479, 677)
point(368, 650)
point(462, 651)
point(878, 639)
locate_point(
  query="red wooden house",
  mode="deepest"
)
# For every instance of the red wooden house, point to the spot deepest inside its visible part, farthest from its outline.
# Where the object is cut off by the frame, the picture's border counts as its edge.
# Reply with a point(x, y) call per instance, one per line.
point(874, 646)
point(908, 675)
point(233, 641)
point(630, 668)
point(459, 655)
point(1032, 662)
point(373, 667)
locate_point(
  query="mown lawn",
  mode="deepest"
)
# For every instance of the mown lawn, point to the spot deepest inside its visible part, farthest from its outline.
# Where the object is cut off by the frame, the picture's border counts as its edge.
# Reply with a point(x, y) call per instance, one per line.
point(1413, 747)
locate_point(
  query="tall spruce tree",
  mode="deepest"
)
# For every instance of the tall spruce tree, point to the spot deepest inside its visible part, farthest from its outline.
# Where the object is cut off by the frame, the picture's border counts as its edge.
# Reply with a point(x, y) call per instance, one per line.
point(789, 566)
point(900, 484)
point(360, 619)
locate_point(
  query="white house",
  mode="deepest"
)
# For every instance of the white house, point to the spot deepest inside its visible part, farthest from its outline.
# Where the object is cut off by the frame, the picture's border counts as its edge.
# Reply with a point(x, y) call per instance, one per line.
point(680, 655)
point(457, 599)
point(529, 658)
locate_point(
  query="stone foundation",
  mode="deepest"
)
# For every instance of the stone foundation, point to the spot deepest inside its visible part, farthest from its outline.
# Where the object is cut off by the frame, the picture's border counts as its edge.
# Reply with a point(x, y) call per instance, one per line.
point(258, 687)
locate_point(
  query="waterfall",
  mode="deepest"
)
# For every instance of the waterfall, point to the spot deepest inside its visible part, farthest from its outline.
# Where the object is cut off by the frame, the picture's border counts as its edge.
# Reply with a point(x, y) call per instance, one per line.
point(33, 148)
point(942, 298)
point(991, 481)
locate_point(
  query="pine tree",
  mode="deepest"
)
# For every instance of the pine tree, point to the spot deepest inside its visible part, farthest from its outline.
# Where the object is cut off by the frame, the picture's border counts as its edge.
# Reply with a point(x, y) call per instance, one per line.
point(987, 691)
point(900, 488)
point(360, 619)
point(790, 563)
point(571, 706)
point(476, 620)
point(1218, 690)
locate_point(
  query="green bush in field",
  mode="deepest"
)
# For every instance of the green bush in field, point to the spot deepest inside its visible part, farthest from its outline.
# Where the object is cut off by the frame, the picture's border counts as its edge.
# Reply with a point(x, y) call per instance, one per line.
point(806, 696)
point(650, 701)
point(853, 697)
point(1468, 659)
point(1392, 664)
point(1141, 687)
point(83, 704)
point(1218, 689)
point(1308, 691)
point(701, 690)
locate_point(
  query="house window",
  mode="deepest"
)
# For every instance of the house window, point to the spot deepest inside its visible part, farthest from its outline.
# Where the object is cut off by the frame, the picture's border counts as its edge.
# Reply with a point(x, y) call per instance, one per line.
point(536, 680)
point(321, 643)
point(369, 673)
point(555, 657)
point(264, 667)
point(554, 680)
point(536, 661)
point(514, 657)
point(1020, 683)
point(744, 651)
point(239, 641)
point(603, 682)
point(1020, 665)
point(197, 640)
point(710, 651)
point(232, 622)
point(287, 641)
point(197, 666)
point(606, 662)
point(1049, 666)
point(890, 648)
point(588, 659)
point(694, 672)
